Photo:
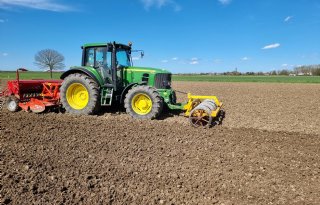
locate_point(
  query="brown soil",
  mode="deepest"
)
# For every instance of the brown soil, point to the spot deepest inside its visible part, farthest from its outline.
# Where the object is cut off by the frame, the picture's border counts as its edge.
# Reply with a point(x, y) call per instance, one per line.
point(265, 152)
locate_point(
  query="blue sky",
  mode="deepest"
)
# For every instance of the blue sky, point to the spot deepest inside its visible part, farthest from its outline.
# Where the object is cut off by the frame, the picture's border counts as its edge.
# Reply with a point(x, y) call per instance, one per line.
point(178, 35)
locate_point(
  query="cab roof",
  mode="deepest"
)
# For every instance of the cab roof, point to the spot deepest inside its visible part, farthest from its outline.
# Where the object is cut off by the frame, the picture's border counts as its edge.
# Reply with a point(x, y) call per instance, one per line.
point(105, 44)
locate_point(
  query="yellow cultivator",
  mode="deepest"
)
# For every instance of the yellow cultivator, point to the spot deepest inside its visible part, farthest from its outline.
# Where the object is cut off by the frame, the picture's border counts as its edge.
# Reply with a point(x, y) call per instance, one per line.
point(202, 109)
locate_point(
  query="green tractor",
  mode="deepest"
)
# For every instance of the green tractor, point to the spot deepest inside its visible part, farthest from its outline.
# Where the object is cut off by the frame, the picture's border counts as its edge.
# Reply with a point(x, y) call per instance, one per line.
point(107, 77)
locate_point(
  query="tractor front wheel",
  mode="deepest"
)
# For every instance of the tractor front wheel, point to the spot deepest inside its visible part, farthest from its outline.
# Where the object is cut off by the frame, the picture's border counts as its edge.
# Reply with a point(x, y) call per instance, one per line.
point(143, 102)
point(80, 94)
point(12, 104)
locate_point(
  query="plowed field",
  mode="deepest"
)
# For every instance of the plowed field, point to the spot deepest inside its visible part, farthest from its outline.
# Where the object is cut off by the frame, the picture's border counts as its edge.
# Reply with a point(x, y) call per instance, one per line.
point(265, 152)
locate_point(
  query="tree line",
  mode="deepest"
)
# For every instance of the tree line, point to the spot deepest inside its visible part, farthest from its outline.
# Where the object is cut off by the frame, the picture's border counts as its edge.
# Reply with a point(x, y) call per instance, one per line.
point(306, 70)
point(311, 69)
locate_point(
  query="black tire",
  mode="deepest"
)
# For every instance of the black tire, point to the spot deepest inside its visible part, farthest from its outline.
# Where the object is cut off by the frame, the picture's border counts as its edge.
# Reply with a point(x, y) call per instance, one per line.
point(157, 102)
point(93, 105)
point(12, 104)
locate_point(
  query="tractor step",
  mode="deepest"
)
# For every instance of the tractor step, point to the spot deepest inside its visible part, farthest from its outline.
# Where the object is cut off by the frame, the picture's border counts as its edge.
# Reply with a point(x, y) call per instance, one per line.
point(106, 96)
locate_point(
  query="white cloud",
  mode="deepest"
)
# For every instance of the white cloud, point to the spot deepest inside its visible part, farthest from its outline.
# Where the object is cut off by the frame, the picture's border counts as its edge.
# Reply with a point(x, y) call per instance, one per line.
point(225, 2)
point(245, 58)
point(2, 20)
point(5, 54)
point(135, 58)
point(49, 5)
point(164, 61)
point(160, 3)
point(275, 45)
point(174, 58)
point(194, 61)
point(284, 65)
point(288, 18)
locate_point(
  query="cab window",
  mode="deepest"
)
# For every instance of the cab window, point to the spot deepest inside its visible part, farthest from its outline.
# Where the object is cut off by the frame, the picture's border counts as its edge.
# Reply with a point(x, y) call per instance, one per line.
point(123, 58)
point(89, 57)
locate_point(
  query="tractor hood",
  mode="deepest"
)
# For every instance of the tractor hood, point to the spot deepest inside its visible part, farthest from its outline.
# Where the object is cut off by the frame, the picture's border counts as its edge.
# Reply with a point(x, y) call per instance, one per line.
point(145, 70)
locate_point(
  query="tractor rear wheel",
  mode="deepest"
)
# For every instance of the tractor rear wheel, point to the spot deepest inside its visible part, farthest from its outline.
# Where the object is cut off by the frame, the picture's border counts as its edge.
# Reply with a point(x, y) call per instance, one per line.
point(143, 102)
point(12, 104)
point(80, 94)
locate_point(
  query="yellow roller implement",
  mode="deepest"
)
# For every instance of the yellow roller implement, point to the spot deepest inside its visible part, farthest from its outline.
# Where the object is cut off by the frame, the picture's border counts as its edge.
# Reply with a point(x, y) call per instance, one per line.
point(194, 100)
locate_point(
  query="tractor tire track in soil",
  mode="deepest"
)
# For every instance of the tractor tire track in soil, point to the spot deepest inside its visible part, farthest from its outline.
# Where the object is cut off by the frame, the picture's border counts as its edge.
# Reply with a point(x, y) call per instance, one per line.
point(113, 159)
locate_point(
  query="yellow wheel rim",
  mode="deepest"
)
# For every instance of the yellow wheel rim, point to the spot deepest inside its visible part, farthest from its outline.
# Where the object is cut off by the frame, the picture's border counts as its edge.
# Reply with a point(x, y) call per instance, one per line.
point(141, 104)
point(77, 96)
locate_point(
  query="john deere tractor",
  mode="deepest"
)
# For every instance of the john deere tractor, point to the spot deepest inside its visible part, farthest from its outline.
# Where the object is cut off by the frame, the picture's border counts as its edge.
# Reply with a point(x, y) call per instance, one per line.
point(107, 76)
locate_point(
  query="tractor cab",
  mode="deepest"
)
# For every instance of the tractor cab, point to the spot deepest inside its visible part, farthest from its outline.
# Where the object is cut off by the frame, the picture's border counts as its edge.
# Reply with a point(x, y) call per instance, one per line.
point(108, 60)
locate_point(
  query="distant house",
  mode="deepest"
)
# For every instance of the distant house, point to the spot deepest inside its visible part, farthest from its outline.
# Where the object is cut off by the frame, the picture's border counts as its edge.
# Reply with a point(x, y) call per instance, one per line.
point(302, 74)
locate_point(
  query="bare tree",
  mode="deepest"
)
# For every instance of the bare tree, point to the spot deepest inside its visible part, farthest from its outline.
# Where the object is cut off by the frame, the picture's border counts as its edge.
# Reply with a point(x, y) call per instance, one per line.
point(49, 58)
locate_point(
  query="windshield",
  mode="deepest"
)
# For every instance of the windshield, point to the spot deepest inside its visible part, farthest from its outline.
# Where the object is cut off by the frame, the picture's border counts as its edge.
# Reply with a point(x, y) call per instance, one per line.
point(123, 58)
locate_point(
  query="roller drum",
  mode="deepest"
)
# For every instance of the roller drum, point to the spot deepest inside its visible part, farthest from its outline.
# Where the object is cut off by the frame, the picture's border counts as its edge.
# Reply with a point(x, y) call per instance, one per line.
point(211, 104)
point(207, 104)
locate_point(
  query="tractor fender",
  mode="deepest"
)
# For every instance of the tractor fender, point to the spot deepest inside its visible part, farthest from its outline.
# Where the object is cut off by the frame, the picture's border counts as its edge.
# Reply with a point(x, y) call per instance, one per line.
point(80, 70)
point(125, 90)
